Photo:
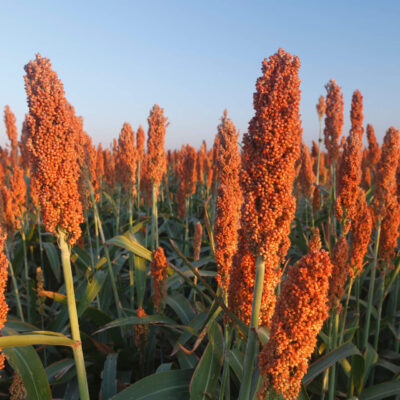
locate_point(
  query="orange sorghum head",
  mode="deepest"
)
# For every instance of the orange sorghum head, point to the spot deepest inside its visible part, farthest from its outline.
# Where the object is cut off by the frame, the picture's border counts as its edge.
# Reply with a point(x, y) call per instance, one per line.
point(340, 271)
point(201, 155)
point(3, 286)
point(356, 114)
point(109, 168)
point(12, 133)
point(155, 158)
point(214, 155)
point(385, 178)
point(389, 228)
point(140, 141)
point(188, 176)
point(13, 202)
point(229, 199)
point(270, 150)
point(361, 228)
point(52, 144)
point(127, 157)
point(100, 161)
point(197, 238)
point(316, 202)
point(300, 312)
point(374, 151)
point(321, 107)
point(306, 176)
point(349, 177)
point(333, 119)
point(159, 272)
point(315, 240)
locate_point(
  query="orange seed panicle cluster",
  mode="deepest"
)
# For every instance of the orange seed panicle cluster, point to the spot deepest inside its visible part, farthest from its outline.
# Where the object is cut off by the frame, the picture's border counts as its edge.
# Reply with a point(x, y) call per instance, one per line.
point(12, 133)
point(127, 157)
point(155, 161)
point(229, 200)
point(300, 312)
point(52, 144)
point(340, 271)
point(159, 272)
point(3, 286)
point(350, 166)
point(321, 107)
point(306, 176)
point(333, 119)
point(197, 238)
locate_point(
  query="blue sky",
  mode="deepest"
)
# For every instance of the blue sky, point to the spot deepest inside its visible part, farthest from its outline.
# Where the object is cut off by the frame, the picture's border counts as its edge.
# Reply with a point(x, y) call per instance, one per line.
point(196, 58)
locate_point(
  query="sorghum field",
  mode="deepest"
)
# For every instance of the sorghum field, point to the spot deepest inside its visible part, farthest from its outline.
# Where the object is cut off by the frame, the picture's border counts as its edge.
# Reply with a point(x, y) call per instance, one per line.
point(259, 268)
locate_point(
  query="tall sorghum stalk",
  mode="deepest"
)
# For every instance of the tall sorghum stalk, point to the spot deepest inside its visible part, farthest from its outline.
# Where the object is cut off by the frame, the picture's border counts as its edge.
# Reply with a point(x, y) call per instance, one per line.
point(15, 284)
point(154, 218)
point(270, 150)
point(371, 287)
point(252, 340)
point(73, 315)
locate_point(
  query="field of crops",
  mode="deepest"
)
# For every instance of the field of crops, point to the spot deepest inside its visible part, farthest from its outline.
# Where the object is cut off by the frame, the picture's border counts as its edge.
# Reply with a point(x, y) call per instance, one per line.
point(260, 268)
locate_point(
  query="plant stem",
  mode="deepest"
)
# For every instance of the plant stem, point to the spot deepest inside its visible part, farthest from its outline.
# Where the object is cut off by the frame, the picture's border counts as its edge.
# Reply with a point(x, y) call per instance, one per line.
point(73, 317)
point(252, 342)
point(26, 274)
point(378, 319)
point(15, 286)
point(371, 286)
point(154, 219)
point(332, 377)
point(345, 311)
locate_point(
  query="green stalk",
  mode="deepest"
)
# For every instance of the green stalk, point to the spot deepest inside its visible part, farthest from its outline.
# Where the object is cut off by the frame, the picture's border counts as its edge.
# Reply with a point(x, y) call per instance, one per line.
point(107, 254)
point(154, 219)
point(345, 311)
point(118, 210)
point(73, 317)
point(89, 241)
point(15, 286)
point(185, 246)
point(139, 168)
point(40, 239)
point(252, 342)
point(225, 392)
point(396, 294)
point(131, 263)
point(372, 286)
point(26, 275)
point(332, 377)
point(378, 320)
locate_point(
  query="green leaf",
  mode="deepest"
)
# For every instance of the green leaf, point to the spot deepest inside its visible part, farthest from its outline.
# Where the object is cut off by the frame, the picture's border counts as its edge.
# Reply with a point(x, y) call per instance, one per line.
point(140, 278)
point(236, 359)
point(56, 371)
point(381, 391)
point(167, 385)
point(181, 306)
point(148, 319)
point(205, 378)
point(54, 259)
point(131, 244)
point(27, 363)
point(319, 366)
point(109, 377)
point(357, 372)
point(371, 358)
point(92, 290)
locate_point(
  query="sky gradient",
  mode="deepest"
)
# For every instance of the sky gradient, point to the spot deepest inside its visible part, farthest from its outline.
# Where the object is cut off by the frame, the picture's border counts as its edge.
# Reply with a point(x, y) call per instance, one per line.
point(116, 59)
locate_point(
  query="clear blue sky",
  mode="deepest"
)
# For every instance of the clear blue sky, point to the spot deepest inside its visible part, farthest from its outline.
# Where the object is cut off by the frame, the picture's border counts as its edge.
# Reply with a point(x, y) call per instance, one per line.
point(196, 58)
